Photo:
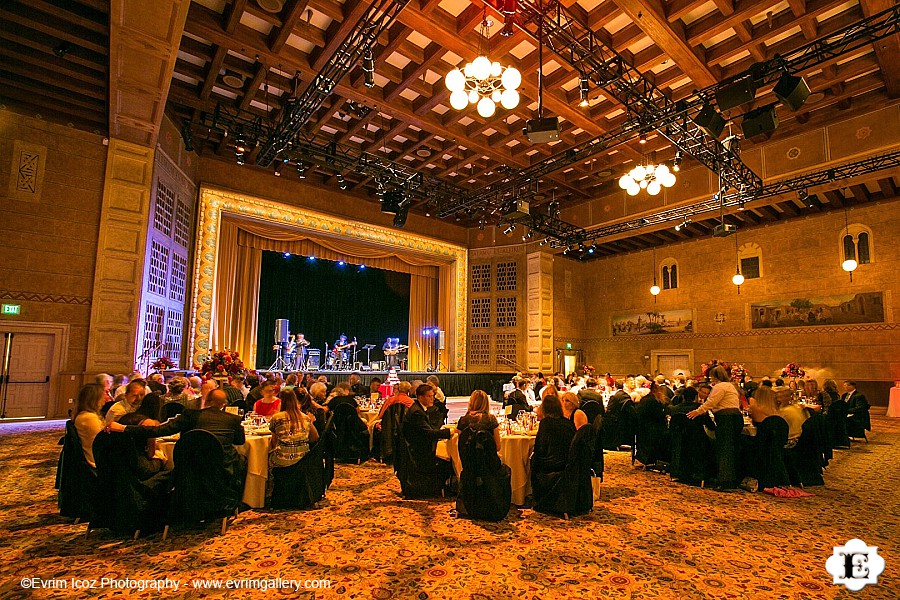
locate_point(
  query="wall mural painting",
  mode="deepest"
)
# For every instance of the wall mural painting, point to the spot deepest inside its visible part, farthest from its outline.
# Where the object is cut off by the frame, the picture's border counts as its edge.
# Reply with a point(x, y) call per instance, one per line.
point(670, 321)
point(829, 310)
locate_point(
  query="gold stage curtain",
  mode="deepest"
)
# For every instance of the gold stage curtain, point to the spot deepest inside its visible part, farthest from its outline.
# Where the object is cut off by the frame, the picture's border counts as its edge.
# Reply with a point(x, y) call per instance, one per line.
point(236, 299)
point(236, 296)
point(423, 293)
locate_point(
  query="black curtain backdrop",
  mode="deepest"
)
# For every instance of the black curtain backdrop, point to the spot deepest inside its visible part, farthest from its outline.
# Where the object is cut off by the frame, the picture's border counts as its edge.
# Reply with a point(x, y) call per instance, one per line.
point(323, 299)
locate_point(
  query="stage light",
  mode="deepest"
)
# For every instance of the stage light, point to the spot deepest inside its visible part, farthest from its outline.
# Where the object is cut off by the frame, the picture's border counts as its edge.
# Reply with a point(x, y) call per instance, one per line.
point(591, 249)
point(676, 164)
point(643, 137)
point(286, 255)
point(436, 331)
point(342, 183)
point(509, 229)
point(362, 267)
point(426, 332)
point(584, 88)
point(682, 225)
point(340, 263)
point(277, 168)
point(312, 258)
point(368, 67)
point(301, 170)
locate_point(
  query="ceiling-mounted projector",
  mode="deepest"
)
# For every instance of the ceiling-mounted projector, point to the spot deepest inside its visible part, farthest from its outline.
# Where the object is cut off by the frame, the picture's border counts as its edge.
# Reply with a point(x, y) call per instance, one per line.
point(542, 131)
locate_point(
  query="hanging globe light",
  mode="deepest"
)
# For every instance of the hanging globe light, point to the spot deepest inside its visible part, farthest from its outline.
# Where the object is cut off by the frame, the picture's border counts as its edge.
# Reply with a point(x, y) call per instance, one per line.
point(509, 99)
point(455, 81)
point(738, 279)
point(459, 99)
point(849, 265)
point(654, 289)
point(486, 107)
point(653, 188)
point(650, 177)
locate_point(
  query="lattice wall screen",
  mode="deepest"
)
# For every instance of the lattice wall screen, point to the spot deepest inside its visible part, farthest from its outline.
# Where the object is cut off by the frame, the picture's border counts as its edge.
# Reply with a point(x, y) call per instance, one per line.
point(506, 346)
point(174, 320)
point(506, 311)
point(182, 233)
point(154, 317)
point(165, 209)
point(159, 269)
point(481, 278)
point(179, 278)
point(481, 312)
point(480, 349)
point(506, 277)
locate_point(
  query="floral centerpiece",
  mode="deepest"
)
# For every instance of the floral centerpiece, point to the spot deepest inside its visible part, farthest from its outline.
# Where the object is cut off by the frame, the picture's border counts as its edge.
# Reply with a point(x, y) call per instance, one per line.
point(706, 367)
point(588, 370)
point(793, 371)
point(162, 363)
point(223, 363)
point(738, 372)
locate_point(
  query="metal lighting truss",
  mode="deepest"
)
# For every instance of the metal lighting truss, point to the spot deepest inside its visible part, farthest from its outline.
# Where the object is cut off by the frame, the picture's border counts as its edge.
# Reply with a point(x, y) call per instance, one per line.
point(793, 184)
point(375, 21)
point(604, 67)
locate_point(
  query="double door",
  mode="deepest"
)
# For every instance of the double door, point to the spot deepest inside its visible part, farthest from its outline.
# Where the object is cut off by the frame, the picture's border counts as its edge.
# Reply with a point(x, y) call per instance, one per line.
point(26, 365)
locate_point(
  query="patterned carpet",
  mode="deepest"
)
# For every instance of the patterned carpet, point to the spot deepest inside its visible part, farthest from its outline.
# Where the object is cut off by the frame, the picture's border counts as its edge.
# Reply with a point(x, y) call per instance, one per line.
point(647, 538)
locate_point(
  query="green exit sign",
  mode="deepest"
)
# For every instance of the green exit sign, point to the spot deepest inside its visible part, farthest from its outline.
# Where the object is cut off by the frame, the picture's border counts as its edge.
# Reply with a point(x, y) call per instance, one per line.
point(12, 309)
point(568, 345)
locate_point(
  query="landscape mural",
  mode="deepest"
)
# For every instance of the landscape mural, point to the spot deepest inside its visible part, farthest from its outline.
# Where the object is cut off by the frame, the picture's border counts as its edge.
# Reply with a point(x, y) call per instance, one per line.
point(670, 321)
point(851, 309)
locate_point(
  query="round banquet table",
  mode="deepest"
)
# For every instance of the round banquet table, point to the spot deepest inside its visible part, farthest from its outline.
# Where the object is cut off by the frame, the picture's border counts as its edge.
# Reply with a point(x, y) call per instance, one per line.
point(256, 449)
point(368, 416)
point(894, 403)
point(515, 452)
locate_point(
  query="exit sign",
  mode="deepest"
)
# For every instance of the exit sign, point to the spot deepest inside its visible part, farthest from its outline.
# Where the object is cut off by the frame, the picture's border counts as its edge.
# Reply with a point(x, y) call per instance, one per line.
point(12, 309)
point(568, 345)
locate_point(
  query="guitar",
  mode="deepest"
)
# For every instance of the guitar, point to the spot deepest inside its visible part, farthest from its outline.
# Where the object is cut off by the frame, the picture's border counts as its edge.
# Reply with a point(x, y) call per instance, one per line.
point(393, 351)
point(345, 346)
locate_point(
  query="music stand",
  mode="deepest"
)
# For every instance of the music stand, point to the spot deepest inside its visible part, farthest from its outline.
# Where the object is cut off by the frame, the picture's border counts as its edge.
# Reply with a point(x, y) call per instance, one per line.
point(368, 349)
point(280, 363)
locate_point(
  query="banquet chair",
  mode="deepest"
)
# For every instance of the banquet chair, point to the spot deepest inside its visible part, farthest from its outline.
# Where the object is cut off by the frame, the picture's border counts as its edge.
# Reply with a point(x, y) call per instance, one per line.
point(301, 485)
point(351, 442)
point(691, 451)
point(437, 414)
point(485, 491)
point(836, 419)
point(391, 423)
point(127, 504)
point(203, 486)
point(327, 441)
point(172, 409)
point(571, 493)
point(770, 469)
point(618, 428)
point(76, 479)
point(592, 409)
point(805, 460)
point(597, 466)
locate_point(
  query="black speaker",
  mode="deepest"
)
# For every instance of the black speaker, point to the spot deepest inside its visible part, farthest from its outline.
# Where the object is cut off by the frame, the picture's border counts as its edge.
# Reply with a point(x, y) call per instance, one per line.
point(735, 94)
point(760, 121)
point(710, 121)
point(791, 90)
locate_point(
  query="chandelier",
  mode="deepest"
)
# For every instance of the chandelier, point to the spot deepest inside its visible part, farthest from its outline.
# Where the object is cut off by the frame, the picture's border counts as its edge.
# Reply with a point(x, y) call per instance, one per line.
point(483, 82)
point(649, 176)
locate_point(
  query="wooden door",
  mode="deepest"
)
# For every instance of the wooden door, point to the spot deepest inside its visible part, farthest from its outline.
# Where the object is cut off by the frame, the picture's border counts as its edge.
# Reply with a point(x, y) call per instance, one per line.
point(670, 364)
point(28, 376)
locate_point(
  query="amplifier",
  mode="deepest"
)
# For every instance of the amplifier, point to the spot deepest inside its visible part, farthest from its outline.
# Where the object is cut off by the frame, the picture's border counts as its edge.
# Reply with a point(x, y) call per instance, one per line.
point(313, 359)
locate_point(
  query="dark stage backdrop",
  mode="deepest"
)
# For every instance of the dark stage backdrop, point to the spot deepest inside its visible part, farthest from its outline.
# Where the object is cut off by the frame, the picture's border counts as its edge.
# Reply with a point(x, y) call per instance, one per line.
point(323, 299)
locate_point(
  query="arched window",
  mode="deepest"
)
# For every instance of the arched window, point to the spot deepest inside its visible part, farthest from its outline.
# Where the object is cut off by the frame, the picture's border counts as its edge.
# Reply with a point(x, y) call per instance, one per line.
point(669, 274)
point(856, 244)
point(750, 257)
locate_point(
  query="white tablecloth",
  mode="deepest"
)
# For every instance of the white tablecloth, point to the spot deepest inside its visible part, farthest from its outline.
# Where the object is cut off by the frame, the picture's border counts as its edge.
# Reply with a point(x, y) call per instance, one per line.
point(256, 449)
point(894, 403)
point(515, 451)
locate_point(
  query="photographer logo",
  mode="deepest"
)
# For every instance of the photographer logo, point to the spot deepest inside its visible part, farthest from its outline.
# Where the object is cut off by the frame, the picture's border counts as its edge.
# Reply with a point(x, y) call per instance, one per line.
point(855, 565)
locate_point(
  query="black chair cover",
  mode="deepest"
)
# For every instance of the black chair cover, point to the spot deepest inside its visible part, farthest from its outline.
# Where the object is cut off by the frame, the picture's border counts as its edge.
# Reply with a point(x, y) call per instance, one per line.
point(327, 439)
point(729, 424)
point(302, 484)
point(619, 426)
point(437, 414)
point(805, 460)
point(485, 492)
point(771, 436)
point(76, 480)
point(172, 409)
point(592, 409)
point(858, 422)
point(391, 423)
point(651, 432)
point(836, 420)
point(352, 436)
point(569, 492)
point(598, 464)
point(692, 451)
point(204, 488)
point(125, 505)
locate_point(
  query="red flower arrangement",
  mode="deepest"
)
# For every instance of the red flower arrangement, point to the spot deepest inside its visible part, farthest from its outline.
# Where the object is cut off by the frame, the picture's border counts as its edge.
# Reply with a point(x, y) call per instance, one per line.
point(738, 371)
point(705, 368)
point(793, 370)
point(162, 363)
point(588, 370)
point(223, 363)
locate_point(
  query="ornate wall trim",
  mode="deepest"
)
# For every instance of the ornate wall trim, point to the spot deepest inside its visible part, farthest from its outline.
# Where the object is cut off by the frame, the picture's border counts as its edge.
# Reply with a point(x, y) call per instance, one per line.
point(52, 298)
point(213, 203)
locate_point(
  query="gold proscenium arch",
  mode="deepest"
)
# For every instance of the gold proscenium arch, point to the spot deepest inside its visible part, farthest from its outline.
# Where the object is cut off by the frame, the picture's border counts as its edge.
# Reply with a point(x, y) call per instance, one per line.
point(216, 203)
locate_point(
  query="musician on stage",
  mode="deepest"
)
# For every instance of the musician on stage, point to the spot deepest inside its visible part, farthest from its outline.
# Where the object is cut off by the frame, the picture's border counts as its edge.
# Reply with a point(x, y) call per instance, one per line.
point(390, 353)
point(300, 344)
point(342, 351)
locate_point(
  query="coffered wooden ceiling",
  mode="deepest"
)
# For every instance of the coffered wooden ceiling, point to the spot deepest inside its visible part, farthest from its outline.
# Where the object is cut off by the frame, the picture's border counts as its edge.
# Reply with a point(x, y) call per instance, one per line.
point(244, 53)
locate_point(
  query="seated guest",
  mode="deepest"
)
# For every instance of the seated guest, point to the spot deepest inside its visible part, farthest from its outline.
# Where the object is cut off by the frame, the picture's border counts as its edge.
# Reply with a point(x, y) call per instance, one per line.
point(225, 427)
point(269, 404)
point(571, 410)
point(195, 383)
point(652, 427)
point(88, 422)
point(233, 392)
point(341, 394)
point(618, 425)
point(401, 395)
point(311, 409)
point(590, 392)
point(150, 460)
point(123, 380)
point(795, 415)
point(422, 474)
point(373, 388)
point(176, 392)
point(317, 393)
point(549, 389)
point(517, 400)
point(660, 380)
point(551, 446)
point(857, 410)
point(291, 381)
point(438, 392)
point(254, 392)
point(479, 418)
point(134, 395)
point(356, 386)
point(105, 380)
point(687, 400)
point(829, 394)
point(766, 382)
point(766, 460)
point(413, 386)
point(156, 384)
point(205, 388)
point(292, 431)
point(151, 407)
point(763, 405)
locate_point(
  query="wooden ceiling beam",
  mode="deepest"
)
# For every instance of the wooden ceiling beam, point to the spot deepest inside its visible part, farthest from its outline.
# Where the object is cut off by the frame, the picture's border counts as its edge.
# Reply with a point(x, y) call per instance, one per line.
point(338, 31)
point(716, 23)
point(413, 71)
point(291, 13)
point(55, 30)
point(59, 111)
point(231, 18)
point(860, 193)
point(648, 16)
point(215, 65)
point(252, 88)
point(887, 50)
point(887, 187)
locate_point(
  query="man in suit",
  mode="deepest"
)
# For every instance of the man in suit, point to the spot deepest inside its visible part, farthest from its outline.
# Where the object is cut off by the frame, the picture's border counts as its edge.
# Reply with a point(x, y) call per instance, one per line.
point(590, 392)
point(517, 400)
point(425, 472)
point(857, 410)
point(225, 427)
